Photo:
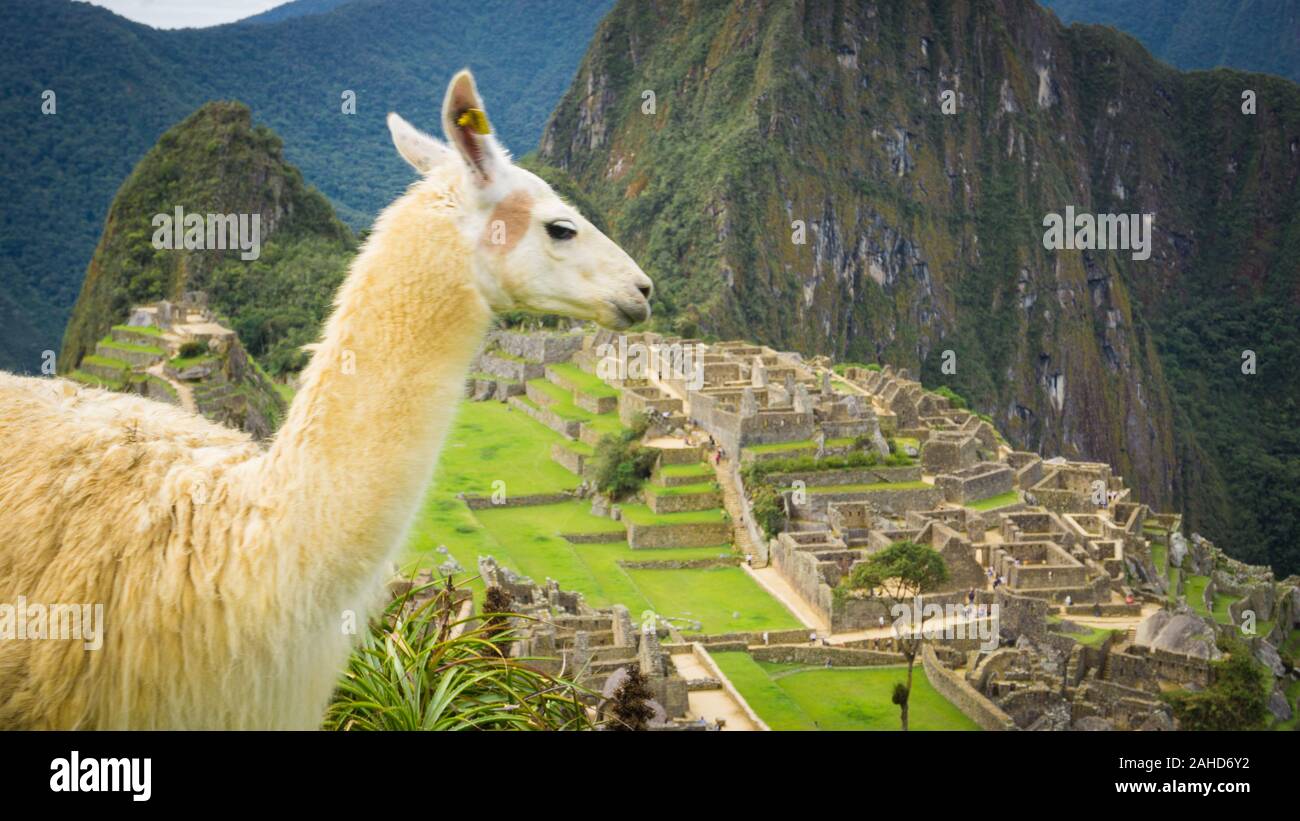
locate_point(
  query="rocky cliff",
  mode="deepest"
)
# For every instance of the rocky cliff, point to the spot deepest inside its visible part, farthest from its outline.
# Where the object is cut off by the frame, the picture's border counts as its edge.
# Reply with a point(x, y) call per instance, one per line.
point(870, 180)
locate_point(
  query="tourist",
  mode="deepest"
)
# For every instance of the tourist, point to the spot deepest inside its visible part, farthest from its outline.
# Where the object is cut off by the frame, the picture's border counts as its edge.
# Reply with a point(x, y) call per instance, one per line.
point(1069, 600)
point(1128, 599)
point(882, 622)
point(812, 638)
point(765, 637)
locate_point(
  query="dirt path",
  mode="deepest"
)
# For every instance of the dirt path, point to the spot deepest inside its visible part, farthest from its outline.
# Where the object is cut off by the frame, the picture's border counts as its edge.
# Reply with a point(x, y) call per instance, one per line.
point(771, 580)
point(710, 705)
point(183, 391)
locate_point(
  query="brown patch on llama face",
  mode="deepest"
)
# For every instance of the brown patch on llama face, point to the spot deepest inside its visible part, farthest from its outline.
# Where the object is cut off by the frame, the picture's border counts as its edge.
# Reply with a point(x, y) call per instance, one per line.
point(509, 222)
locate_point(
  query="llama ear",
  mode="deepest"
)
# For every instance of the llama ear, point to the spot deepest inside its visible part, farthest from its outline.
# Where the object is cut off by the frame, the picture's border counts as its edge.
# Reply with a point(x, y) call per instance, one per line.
point(417, 148)
point(465, 123)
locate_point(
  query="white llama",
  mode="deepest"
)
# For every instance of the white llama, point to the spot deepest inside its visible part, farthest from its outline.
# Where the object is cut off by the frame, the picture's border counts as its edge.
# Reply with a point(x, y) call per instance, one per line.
point(225, 570)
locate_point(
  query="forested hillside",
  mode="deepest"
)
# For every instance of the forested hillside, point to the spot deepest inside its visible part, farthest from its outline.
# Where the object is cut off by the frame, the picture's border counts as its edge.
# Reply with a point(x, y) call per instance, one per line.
point(118, 85)
point(922, 230)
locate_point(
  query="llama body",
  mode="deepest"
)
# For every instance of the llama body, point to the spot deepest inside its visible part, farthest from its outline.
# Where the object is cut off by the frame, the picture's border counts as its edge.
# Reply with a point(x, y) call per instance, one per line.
point(228, 572)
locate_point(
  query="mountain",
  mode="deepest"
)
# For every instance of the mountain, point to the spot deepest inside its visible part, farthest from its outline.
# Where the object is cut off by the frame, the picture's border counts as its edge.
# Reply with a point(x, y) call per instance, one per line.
point(298, 8)
point(217, 162)
point(1256, 35)
point(119, 85)
point(923, 231)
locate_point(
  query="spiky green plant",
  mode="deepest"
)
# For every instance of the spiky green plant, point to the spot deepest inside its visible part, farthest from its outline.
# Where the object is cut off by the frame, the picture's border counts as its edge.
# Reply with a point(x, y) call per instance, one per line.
point(421, 668)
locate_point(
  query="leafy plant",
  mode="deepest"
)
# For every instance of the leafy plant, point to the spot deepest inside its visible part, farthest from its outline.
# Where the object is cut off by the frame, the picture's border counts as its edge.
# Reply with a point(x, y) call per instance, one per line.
point(420, 668)
point(620, 464)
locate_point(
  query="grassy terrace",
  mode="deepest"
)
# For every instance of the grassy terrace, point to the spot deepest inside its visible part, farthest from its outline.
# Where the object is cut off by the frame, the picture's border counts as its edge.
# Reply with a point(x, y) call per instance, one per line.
point(587, 383)
point(869, 488)
point(96, 381)
point(562, 405)
point(642, 515)
point(1011, 497)
point(180, 363)
point(683, 490)
point(144, 330)
point(1194, 590)
point(1088, 636)
point(489, 442)
point(109, 342)
point(804, 444)
point(699, 470)
point(793, 697)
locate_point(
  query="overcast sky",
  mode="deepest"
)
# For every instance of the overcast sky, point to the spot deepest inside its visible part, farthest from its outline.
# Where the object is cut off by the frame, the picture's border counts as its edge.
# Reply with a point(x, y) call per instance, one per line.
point(173, 14)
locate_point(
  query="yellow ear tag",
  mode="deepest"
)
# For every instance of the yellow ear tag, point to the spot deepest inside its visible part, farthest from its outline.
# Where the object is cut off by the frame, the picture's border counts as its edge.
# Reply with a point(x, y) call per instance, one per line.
point(475, 120)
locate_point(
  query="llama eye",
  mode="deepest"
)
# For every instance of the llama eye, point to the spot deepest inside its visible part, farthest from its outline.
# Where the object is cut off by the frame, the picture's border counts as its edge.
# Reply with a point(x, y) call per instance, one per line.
point(561, 229)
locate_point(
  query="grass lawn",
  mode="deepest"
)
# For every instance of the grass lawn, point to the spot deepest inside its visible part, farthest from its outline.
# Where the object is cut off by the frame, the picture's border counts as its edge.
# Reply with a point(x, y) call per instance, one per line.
point(699, 469)
point(792, 697)
point(1001, 500)
point(1160, 557)
point(1194, 590)
point(1089, 636)
point(683, 490)
point(722, 599)
point(110, 343)
point(146, 330)
point(491, 442)
point(642, 515)
point(874, 486)
point(588, 383)
point(803, 444)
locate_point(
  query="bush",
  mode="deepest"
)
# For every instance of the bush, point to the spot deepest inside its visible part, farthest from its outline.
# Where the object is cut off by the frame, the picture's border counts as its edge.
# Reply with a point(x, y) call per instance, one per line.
point(952, 396)
point(190, 350)
point(415, 671)
point(620, 464)
point(1237, 700)
point(768, 508)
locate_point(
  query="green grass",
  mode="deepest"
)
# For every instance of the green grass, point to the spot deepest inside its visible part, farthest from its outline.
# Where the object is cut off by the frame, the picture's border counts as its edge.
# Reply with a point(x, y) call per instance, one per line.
point(722, 599)
point(180, 363)
point(869, 488)
point(1011, 497)
point(490, 443)
point(96, 381)
point(642, 515)
point(683, 490)
point(146, 330)
point(1088, 636)
point(780, 447)
point(1292, 691)
point(1160, 557)
point(588, 383)
point(792, 697)
point(109, 342)
point(563, 406)
point(699, 469)
point(105, 361)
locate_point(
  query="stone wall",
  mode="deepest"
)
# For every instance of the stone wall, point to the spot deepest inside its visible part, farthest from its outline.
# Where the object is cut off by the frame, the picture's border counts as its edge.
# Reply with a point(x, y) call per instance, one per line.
point(537, 346)
point(702, 534)
point(681, 502)
point(953, 686)
point(822, 655)
point(847, 476)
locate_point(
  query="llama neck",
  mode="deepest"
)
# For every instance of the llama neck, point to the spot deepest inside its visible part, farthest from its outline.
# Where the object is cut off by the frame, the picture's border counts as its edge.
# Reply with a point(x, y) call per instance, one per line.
point(352, 462)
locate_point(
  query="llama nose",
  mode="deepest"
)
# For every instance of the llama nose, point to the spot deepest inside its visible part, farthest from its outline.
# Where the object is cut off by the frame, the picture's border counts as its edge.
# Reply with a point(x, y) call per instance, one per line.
point(646, 290)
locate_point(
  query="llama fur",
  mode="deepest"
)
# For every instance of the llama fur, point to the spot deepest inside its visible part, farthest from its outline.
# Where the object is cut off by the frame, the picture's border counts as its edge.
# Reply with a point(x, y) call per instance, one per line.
point(227, 571)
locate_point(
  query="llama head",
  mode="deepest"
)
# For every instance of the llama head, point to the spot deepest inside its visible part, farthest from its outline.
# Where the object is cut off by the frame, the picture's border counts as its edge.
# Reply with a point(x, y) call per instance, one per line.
point(530, 250)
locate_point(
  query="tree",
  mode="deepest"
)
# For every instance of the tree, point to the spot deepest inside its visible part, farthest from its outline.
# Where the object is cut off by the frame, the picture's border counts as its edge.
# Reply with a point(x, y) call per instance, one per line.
point(1237, 700)
point(630, 705)
point(903, 570)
